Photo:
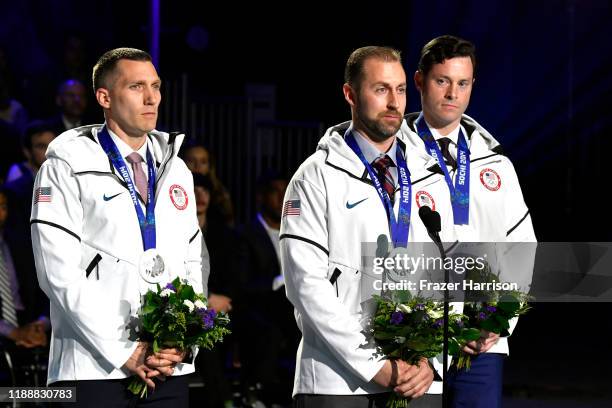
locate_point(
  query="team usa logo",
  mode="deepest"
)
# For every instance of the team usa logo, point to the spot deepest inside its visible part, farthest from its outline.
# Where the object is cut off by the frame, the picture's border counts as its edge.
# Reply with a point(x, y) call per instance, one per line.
point(490, 179)
point(179, 198)
point(423, 198)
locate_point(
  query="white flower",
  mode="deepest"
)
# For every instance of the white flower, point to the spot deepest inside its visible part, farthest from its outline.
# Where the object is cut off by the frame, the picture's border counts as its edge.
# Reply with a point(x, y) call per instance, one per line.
point(200, 305)
point(189, 304)
point(436, 314)
point(400, 340)
point(166, 293)
point(404, 308)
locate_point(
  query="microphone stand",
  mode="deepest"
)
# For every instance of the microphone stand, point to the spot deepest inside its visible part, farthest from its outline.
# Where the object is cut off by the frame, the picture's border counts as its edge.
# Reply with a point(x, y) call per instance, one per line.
point(431, 219)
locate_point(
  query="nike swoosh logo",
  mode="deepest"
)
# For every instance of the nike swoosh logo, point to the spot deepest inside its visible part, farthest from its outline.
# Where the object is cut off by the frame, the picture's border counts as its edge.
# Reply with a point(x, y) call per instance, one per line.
point(349, 206)
point(108, 198)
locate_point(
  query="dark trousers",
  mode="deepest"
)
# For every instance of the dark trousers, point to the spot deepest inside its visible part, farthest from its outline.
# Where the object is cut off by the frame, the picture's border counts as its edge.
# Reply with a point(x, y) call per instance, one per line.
point(174, 392)
point(480, 386)
point(360, 401)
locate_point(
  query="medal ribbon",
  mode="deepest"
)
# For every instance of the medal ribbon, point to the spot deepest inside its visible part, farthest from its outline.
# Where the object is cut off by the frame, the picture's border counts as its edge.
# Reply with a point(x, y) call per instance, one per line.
point(146, 222)
point(399, 227)
point(460, 190)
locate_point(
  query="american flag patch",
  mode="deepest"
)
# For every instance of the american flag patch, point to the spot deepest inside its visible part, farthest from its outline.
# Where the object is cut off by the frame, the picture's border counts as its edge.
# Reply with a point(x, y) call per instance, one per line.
point(42, 195)
point(291, 207)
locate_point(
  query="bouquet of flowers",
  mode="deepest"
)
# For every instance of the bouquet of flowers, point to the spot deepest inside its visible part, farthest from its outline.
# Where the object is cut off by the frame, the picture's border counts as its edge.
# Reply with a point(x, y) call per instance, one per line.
point(489, 310)
point(411, 328)
point(177, 317)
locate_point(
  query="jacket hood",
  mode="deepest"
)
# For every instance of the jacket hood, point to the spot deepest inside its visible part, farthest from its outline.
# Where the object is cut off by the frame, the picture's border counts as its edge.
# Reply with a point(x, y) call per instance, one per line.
point(80, 148)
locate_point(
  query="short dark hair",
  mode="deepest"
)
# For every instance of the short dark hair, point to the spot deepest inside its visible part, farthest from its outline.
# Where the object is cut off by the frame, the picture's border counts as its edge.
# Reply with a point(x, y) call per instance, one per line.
point(445, 47)
point(108, 61)
point(66, 83)
point(353, 71)
point(34, 128)
point(263, 184)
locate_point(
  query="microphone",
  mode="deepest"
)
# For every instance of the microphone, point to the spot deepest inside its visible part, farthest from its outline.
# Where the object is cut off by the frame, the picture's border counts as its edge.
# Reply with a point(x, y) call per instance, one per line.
point(431, 220)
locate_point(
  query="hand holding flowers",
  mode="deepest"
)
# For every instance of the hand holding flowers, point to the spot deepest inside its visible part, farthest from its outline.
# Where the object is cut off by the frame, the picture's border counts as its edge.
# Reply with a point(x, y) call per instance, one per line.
point(172, 320)
point(409, 330)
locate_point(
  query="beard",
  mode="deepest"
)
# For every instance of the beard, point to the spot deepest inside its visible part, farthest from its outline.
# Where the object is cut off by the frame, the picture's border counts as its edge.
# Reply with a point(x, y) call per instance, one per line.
point(377, 129)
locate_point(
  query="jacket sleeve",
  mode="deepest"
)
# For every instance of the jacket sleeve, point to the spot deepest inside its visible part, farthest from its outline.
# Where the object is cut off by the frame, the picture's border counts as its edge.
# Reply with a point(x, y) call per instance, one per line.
point(195, 264)
point(305, 264)
point(56, 223)
point(517, 253)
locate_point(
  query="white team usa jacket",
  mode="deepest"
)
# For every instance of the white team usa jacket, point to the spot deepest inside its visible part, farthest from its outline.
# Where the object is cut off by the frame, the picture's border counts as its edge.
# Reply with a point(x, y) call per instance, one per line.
point(87, 246)
point(498, 213)
point(331, 208)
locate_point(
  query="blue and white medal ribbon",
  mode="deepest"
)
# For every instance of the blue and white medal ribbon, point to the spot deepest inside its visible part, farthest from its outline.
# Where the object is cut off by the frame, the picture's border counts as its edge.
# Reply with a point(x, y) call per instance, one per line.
point(399, 227)
point(460, 190)
point(151, 263)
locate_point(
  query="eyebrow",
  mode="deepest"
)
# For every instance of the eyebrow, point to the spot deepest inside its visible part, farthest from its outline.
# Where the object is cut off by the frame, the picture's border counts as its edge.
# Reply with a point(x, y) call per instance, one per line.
point(143, 82)
point(449, 78)
point(388, 84)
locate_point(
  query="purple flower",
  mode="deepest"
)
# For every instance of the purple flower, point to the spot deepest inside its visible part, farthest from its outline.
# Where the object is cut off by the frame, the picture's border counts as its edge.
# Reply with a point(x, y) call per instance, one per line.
point(491, 309)
point(438, 323)
point(170, 286)
point(397, 317)
point(208, 317)
point(419, 306)
point(481, 316)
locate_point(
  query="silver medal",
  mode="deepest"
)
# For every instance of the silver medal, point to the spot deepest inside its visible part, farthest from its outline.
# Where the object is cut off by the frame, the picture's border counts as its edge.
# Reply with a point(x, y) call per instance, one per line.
point(152, 266)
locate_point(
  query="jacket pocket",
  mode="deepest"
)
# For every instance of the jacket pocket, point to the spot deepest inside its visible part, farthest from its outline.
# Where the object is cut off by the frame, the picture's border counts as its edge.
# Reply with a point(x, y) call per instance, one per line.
point(93, 265)
point(347, 285)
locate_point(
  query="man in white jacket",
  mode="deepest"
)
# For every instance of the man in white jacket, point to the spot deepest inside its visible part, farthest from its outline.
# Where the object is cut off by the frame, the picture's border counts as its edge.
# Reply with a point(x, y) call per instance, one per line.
point(495, 211)
point(335, 202)
point(104, 231)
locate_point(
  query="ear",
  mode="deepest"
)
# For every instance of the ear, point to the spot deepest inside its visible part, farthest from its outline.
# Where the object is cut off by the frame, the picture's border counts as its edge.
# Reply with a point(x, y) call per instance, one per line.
point(103, 97)
point(349, 94)
point(418, 80)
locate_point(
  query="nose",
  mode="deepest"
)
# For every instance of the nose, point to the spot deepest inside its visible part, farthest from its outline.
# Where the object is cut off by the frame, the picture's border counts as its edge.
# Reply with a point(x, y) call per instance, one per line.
point(151, 96)
point(451, 91)
point(393, 100)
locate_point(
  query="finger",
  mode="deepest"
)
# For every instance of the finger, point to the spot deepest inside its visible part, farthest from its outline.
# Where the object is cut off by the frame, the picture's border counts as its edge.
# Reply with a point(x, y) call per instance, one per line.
point(469, 350)
point(172, 358)
point(417, 385)
point(143, 376)
point(167, 371)
point(169, 351)
point(405, 373)
point(156, 362)
point(153, 373)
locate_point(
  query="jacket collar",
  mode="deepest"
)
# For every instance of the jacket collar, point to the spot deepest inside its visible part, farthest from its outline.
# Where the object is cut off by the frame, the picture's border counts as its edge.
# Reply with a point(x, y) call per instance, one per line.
point(81, 148)
point(339, 154)
point(482, 143)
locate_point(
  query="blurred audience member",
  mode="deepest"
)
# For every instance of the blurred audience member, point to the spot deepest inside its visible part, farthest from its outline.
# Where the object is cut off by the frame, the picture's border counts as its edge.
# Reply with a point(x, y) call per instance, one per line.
point(267, 359)
point(37, 137)
point(200, 161)
point(27, 335)
point(19, 192)
point(222, 282)
point(71, 98)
